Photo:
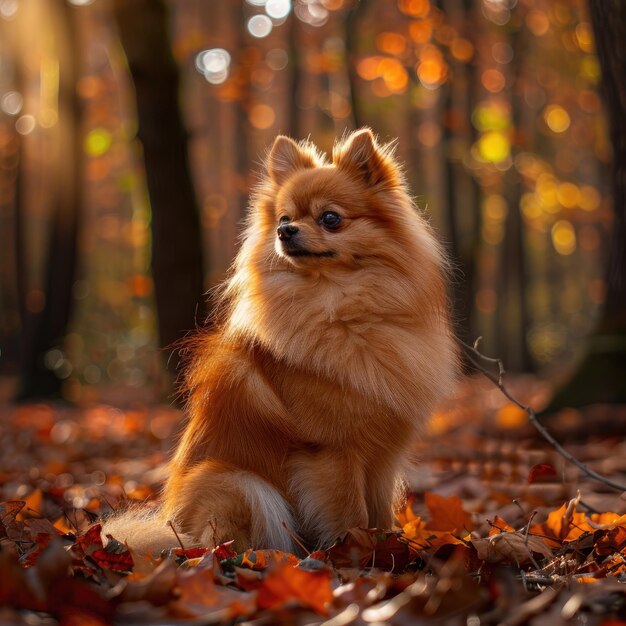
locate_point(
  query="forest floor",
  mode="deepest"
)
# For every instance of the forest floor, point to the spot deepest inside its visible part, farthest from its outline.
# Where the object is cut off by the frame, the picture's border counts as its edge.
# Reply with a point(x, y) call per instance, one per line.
point(499, 528)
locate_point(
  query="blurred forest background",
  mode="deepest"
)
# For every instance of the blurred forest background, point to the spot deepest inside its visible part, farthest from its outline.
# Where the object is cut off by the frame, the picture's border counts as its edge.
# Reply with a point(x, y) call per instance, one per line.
point(131, 130)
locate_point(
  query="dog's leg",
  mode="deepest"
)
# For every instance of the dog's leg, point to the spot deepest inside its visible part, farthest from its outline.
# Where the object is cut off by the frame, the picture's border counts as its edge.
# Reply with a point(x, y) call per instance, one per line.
point(327, 488)
point(384, 494)
point(215, 503)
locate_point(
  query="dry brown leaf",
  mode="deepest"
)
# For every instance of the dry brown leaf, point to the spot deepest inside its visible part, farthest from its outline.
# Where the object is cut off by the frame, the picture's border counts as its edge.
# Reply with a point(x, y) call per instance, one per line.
point(512, 547)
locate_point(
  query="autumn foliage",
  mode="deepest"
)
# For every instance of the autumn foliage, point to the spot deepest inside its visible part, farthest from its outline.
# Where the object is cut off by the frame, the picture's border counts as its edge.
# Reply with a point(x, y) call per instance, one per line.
point(460, 548)
point(72, 576)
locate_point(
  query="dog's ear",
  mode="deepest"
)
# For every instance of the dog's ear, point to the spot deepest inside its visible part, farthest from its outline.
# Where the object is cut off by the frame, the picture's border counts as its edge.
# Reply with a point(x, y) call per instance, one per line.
point(286, 156)
point(360, 155)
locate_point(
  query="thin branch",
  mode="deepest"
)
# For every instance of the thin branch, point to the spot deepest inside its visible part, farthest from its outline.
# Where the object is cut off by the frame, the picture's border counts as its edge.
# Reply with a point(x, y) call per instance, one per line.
point(295, 537)
point(169, 523)
point(532, 417)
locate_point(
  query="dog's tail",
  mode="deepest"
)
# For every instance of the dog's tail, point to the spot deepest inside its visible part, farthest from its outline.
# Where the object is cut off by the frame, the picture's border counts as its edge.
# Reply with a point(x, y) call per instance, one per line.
point(145, 530)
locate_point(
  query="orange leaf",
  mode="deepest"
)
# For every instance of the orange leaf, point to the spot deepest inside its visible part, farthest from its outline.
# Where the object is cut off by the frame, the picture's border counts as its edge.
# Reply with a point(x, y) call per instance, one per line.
point(564, 524)
point(500, 526)
point(286, 583)
point(261, 559)
point(417, 531)
point(32, 506)
point(199, 595)
point(447, 514)
point(611, 541)
point(62, 526)
point(607, 520)
point(440, 539)
point(407, 515)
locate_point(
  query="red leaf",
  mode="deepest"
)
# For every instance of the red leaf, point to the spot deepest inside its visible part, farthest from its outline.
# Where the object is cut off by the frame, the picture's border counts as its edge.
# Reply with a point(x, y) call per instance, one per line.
point(543, 472)
point(41, 543)
point(354, 550)
point(370, 548)
point(116, 562)
point(9, 526)
point(89, 541)
point(191, 553)
point(224, 551)
point(319, 555)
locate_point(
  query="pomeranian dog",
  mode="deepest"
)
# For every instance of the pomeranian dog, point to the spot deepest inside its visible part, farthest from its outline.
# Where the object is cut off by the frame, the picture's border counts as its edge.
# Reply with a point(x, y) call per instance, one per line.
point(332, 345)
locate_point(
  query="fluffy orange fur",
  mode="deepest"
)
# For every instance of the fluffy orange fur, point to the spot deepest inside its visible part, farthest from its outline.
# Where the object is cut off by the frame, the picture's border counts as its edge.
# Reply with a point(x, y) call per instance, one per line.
point(332, 346)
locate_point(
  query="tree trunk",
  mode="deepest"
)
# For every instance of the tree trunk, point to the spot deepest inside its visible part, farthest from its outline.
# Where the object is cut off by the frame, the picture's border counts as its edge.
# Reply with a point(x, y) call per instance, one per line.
point(176, 236)
point(45, 323)
point(601, 375)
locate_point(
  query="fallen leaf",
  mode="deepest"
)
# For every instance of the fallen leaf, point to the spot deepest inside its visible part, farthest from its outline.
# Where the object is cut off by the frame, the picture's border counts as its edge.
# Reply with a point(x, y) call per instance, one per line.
point(607, 520)
point(541, 473)
point(512, 547)
point(41, 541)
point(200, 596)
point(191, 553)
point(115, 561)
point(285, 584)
point(407, 515)
point(499, 525)
point(157, 588)
point(610, 541)
point(447, 514)
point(9, 527)
point(564, 524)
point(89, 541)
point(32, 505)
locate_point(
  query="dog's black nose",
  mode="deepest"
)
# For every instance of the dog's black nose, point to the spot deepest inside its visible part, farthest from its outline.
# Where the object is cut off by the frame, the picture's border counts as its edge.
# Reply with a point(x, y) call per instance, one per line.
point(286, 231)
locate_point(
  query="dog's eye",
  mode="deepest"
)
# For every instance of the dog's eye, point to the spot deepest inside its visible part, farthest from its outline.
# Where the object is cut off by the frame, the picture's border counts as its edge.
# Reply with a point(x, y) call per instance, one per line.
point(330, 219)
point(284, 219)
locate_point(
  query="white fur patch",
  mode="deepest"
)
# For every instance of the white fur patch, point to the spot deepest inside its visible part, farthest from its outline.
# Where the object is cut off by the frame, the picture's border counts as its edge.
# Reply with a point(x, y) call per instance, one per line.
point(269, 512)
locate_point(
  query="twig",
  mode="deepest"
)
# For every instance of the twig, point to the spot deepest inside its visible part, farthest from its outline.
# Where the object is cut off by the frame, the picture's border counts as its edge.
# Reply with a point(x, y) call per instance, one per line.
point(532, 417)
point(169, 523)
point(530, 519)
point(295, 537)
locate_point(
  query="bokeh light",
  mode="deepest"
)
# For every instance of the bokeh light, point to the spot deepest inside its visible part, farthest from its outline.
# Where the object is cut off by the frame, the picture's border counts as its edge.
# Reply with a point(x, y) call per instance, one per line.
point(25, 124)
point(214, 65)
point(11, 102)
point(8, 9)
point(262, 116)
point(563, 237)
point(414, 8)
point(259, 26)
point(312, 12)
point(277, 59)
point(557, 118)
point(432, 70)
point(98, 142)
point(470, 92)
point(278, 9)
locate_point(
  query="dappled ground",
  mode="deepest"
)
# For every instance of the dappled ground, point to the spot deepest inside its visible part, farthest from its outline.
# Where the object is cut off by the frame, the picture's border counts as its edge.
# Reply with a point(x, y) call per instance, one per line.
point(499, 528)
